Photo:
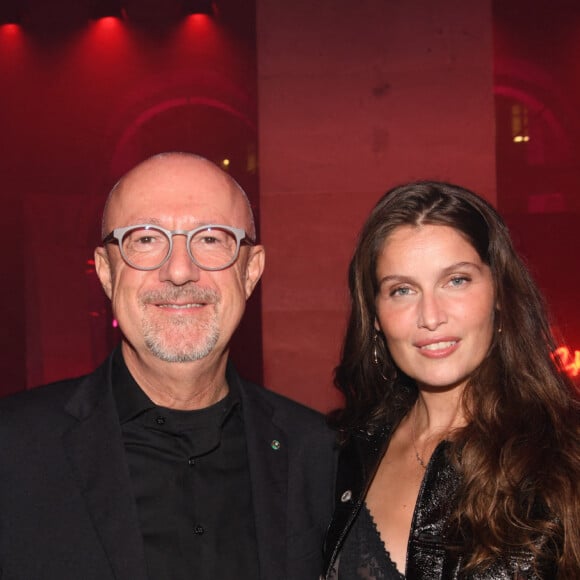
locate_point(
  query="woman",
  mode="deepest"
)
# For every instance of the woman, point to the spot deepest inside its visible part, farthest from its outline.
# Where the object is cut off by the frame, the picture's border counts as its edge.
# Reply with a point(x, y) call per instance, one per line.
point(460, 437)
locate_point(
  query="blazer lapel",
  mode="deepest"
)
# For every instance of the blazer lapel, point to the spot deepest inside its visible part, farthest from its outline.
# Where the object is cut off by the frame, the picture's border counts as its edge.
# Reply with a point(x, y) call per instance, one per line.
point(358, 462)
point(95, 451)
point(268, 463)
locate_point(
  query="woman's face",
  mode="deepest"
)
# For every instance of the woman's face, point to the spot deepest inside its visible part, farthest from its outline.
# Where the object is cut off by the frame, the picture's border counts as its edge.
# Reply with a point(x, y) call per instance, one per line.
point(435, 304)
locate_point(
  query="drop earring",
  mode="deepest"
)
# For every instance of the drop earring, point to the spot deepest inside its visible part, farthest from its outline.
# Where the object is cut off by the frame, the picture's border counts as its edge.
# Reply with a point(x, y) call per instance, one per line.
point(375, 355)
point(375, 350)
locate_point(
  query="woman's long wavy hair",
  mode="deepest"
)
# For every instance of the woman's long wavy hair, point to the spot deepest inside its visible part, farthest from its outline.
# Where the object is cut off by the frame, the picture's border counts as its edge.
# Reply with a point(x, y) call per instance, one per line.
point(519, 455)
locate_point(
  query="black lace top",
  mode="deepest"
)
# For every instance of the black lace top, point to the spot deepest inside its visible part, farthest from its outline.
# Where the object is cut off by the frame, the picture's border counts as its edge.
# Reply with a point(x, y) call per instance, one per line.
point(364, 556)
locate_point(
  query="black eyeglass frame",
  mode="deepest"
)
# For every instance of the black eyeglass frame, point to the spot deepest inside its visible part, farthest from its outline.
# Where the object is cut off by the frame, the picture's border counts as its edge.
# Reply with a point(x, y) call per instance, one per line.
point(116, 237)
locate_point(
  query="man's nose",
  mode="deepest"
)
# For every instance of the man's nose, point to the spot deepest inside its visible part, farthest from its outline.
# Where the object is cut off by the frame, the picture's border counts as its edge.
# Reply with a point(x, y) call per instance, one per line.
point(179, 268)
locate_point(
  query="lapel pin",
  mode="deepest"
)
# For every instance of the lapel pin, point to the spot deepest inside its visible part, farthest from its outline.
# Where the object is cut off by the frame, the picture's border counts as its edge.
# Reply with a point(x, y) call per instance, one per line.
point(275, 445)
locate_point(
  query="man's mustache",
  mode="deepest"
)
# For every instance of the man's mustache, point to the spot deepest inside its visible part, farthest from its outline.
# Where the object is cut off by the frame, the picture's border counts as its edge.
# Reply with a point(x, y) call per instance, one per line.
point(191, 294)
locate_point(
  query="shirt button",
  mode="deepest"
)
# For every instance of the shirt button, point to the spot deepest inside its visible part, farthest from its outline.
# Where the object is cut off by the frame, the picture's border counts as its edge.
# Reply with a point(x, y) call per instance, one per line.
point(191, 461)
point(198, 530)
point(160, 420)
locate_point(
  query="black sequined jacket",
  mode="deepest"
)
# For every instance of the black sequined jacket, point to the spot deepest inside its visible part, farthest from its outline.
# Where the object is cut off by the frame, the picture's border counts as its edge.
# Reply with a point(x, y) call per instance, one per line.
point(431, 554)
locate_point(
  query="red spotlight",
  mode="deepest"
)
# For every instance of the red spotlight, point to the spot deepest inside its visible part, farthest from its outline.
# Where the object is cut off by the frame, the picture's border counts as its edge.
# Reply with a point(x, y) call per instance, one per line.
point(11, 12)
point(198, 7)
point(105, 9)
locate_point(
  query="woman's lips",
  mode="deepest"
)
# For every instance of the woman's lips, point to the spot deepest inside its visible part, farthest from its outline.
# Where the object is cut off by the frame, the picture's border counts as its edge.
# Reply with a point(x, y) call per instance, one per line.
point(438, 348)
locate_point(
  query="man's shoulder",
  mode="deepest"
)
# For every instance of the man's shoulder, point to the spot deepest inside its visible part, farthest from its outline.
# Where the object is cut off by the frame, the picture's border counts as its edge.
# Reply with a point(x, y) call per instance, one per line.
point(41, 393)
point(276, 399)
point(283, 407)
point(42, 400)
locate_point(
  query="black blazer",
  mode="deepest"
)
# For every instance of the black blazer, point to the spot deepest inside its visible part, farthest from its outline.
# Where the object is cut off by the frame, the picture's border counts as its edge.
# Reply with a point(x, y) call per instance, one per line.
point(433, 553)
point(66, 507)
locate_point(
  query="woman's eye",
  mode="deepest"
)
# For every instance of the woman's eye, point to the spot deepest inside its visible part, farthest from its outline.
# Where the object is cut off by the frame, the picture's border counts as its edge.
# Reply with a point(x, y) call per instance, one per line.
point(458, 281)
point(401, 291)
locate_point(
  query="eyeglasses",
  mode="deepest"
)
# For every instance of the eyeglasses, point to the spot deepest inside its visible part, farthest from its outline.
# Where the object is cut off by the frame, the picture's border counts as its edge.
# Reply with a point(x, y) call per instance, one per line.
point(148, 247)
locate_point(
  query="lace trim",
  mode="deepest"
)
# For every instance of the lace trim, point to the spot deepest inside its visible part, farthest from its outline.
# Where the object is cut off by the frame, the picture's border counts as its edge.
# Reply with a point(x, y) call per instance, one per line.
point(381, 542)
point(363, 555)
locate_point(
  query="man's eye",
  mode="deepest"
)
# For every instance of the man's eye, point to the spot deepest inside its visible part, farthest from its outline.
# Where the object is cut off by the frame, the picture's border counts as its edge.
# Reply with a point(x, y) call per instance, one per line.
point(145, 240)
point(209, 240)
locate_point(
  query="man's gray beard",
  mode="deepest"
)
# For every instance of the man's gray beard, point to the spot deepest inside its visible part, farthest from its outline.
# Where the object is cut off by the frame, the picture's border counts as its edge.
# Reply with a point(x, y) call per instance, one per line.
point(187, 351)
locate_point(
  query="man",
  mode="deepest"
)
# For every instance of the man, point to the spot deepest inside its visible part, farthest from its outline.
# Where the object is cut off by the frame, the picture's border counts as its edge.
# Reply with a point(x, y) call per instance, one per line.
point(163, 464)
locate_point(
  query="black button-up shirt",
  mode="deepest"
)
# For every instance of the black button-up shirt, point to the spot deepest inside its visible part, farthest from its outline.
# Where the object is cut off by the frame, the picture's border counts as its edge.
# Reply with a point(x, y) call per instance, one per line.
point(191, 482)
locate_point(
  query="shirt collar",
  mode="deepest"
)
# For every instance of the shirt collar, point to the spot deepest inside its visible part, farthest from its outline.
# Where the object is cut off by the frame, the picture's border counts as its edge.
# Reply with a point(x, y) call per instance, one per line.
point(131, 400)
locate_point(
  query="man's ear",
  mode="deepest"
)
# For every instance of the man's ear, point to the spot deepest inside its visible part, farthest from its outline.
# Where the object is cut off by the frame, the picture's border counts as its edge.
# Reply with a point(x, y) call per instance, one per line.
point(103, 269)
point(254, 268)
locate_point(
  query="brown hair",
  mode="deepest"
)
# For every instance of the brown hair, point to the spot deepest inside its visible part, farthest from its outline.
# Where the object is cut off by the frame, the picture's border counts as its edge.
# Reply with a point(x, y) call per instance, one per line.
point(519, 455)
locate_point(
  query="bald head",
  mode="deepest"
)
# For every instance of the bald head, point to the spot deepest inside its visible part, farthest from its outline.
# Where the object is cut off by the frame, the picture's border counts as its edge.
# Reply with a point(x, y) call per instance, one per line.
point(173, 179)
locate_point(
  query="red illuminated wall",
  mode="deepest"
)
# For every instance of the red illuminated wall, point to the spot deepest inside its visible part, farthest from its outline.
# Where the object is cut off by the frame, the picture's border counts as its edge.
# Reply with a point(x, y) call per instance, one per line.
point(352, 102)
point(537, 49)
